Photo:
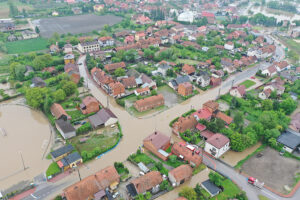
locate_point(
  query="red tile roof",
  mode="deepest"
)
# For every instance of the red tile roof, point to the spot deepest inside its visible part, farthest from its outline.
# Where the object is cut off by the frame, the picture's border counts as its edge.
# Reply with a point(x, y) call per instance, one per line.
point(188, 155)
point(182, 172)
point(147, 182)
point(203, 113)
point(200, 127)
point(206, 133)
point(57, 110)
point(188, 69)
point(224, 117)
point(114, 66)
point(158, 139)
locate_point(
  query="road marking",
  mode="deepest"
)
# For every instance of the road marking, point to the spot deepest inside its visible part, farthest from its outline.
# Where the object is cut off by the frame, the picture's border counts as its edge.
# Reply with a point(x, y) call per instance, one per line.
point(270, 195)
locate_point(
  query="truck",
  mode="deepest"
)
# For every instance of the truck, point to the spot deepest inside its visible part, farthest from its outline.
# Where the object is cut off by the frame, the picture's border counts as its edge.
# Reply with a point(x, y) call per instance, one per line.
point(255, 182)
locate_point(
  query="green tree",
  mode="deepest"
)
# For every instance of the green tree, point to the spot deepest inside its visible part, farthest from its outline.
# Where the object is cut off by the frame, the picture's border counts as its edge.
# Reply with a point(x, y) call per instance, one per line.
point(171, 73)
point(35, 97)
point(119, 72)
point(68, 86)
point(148, 195)
point(173, 158)
point(236, 142)
point(239, 119)
point(42, 61)
point(59, 95)
point(188, 193)
point(37, 30)
point(149, 54)
point(267, 104)
point(288, 105)
point(215, 178)
point(47, 103)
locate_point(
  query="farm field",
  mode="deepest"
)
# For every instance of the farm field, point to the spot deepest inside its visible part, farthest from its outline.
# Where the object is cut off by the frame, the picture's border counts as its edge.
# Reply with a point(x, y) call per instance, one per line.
point(24, 46)
point(74, 24)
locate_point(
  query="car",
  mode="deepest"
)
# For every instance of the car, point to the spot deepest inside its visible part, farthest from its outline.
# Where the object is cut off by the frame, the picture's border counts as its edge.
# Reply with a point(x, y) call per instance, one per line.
point(115, 195)
point(252, 77)
point(79, 63)
point(82, 123)
point(113, 126)
point(77, 123)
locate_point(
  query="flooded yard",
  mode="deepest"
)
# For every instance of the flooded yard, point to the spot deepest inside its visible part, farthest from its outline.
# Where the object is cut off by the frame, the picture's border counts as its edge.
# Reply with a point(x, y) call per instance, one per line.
point(233, 157)
point(25, 134)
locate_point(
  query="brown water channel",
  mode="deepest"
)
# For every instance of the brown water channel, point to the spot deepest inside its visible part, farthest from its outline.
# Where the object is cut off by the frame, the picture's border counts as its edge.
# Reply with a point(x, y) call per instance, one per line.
point(23, 133)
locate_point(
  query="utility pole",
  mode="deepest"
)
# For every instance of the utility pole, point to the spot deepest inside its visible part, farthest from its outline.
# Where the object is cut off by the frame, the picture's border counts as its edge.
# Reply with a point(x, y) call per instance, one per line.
point(219, 92)
point(78, 174)
point(22, 160)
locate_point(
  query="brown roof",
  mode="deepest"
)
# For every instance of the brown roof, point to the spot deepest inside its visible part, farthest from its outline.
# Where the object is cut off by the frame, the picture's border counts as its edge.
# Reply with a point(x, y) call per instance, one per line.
point(117, 88)
point(57, 110)
point(184, 123)
point(129, 82)
point(212, 105)
point(272, 69)
point(188, 69)
point(147, 182)
point(114, 66)
point(241, 89)
point(158, 139)
point(224, 117)
point(150, 100)
point(282, 64)
point(101, 76)
point(88, 100)
point(182, 172)
point(90, 185)
point(218, 140)
point(140, 90)
point(206, 133)
point(188, 155)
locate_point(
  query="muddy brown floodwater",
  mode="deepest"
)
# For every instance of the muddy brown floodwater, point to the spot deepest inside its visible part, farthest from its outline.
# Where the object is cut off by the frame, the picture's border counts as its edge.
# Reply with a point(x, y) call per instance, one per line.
point(25, 132)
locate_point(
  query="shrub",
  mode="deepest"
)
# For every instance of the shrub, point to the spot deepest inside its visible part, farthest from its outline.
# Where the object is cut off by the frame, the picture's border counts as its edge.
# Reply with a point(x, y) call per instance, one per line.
point(84, 128)
point(53, 169)
point(121, 102)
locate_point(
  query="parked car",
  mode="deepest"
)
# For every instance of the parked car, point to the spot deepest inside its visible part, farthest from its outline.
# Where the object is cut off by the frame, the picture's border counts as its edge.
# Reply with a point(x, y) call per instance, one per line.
point(115, 195)
point(84, 122)
point(77, 123)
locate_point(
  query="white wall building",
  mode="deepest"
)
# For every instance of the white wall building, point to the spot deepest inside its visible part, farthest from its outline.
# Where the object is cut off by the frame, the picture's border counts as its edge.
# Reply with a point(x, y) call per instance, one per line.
point(217, 145)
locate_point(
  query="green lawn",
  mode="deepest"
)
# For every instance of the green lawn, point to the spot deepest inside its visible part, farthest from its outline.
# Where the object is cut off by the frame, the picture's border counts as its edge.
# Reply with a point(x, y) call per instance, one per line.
point(102, 141)
point(248, 83)
point(261, 197)
point(187, 61)
point(23, 46)
point(230, 190)
point(52, 169)
point(142, 158)
point(199, 169)
point(291, 44)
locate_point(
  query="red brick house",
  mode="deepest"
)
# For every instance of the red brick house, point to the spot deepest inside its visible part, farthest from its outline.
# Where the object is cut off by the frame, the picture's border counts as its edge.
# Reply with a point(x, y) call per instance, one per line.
point(220, 115)
point(215, 81)
point(89, 105)
point(188, 69)
point(180, 174)
point(183, 124)
point(112, 67)
point(149, 103)
point(157, 143)
point(185, 89)
point(180, 150)
point(116, 89)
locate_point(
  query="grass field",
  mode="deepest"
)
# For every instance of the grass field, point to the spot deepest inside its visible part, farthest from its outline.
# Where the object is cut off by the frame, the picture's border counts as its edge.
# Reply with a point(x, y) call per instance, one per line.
point(24, 46)
point(291, 44)
point(4, 10)
point(187, 61)
point(230, 190)
point(248, 83)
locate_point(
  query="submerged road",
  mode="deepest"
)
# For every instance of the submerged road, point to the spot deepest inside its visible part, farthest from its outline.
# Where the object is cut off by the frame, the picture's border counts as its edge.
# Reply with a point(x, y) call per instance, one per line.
point(136, 129)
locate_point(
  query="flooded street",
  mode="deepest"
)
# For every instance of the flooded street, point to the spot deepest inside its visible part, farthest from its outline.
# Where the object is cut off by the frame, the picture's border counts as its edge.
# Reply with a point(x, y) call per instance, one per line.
point(275, 13)
point(24, 133)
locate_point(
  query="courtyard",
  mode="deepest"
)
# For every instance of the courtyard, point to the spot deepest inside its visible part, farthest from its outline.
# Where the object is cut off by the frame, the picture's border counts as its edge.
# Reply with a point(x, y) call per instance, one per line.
point(275, 171)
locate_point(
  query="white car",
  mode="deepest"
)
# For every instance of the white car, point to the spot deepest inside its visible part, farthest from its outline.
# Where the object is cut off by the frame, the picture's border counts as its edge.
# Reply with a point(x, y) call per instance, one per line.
point(115, 195)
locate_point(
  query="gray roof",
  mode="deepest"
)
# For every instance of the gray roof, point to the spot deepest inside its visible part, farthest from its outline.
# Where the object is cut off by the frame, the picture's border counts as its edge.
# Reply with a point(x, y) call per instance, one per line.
point(61, 151)
point(211, 187)
point(204, 75)
point(101, 117)
point(65, 126)
point(290, 139)
point(37, 81)
point(70, 158)
point(180, 79)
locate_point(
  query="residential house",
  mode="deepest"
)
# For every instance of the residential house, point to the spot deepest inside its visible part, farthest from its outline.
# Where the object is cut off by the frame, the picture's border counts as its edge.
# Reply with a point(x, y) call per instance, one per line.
point(203, 113)
point(38, 82)
point(275, 87)
point(98, 7)
point(86, 47)
point(114, 66)
point(149, 103)
point(282, 65)
point(52, 70)
point(290, 139)
point(61, 152)
point(185, 89)
point(142, 19)
point(238, 91)
point(68, 48)
point(129, 82)
point(73, 71)
point(187, 16)
point(140, 36)
point(180, 79)
point(229, 46)
point(211, 105)
point(270, 71)
point(58, 112)
point(145, 183)
point(265, 94)
point(104, 117)
point(158, 143)
point(181, 151)
point(142, 91)
point(89, 105)
point(183, 124)
point(116, 89)
point(206, 134)
point(70, 161)
point(69, 58)
point(106, 41)
point(203, 79)
point(217, 145)
point(27, 34)
point(93, 185)
point(215, 81)
point(146, 81)
point(163, 67)
point(295, 122)
point(54, 48)
point(220, 115)
point(211, 188)
point(209, 16)
point(188, 70)
point(180, 174)
point(65, 128)
point(101, 78)
point(200, 127)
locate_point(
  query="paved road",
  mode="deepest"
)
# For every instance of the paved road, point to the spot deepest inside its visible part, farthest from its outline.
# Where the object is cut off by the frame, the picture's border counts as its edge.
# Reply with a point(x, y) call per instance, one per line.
point(135, 130)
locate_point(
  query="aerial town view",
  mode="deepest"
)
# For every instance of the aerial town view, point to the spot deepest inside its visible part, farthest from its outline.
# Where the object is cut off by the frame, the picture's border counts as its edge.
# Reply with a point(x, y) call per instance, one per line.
point(150, 99)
